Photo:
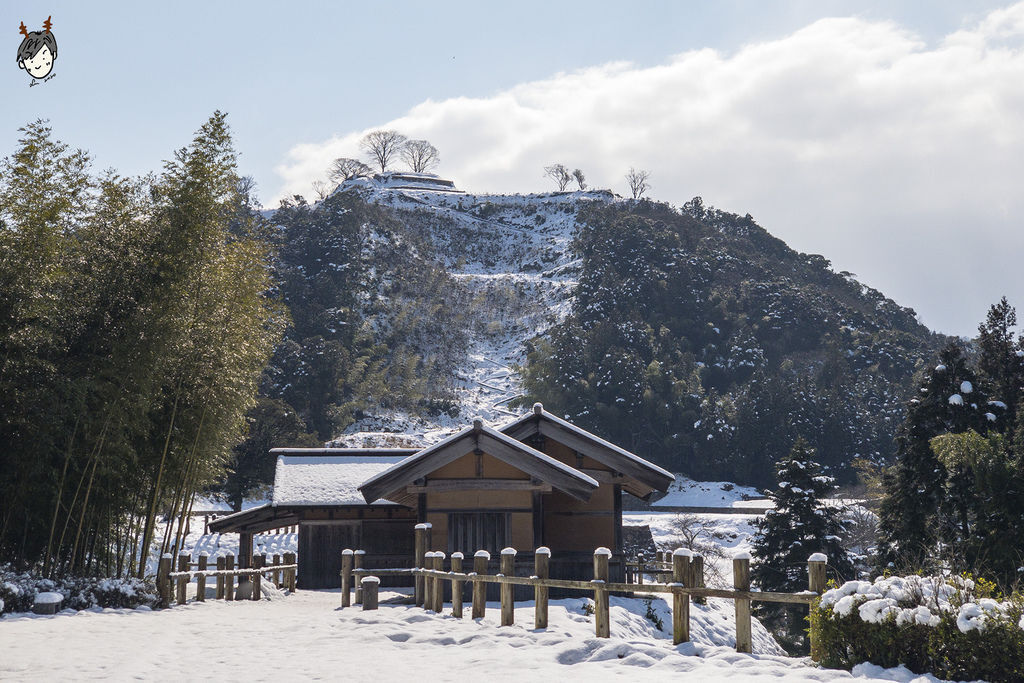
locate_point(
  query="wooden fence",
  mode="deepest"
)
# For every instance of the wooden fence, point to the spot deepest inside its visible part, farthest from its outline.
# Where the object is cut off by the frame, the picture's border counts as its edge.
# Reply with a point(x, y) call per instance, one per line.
point(173, 585)
point(430, 577)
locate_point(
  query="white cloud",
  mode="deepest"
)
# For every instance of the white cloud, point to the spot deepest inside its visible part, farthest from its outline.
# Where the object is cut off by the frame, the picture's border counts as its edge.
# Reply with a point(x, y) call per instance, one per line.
point(897, 160)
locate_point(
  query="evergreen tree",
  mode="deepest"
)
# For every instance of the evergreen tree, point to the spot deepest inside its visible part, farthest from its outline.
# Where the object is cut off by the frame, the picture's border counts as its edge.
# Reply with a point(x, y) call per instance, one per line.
point(799, 525)
point(949, 400)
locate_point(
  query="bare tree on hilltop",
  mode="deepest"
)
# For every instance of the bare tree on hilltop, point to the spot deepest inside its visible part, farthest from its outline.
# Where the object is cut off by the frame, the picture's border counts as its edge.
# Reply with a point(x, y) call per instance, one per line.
point(343, 169)
point(382, 146)
point(580, 178)
point(420, 155)
point(560, 174)
point(637, 179)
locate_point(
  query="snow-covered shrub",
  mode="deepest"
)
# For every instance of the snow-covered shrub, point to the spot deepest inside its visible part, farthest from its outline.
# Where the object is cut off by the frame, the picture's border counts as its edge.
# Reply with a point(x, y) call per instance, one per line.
point(18, 591)
point(947, 627)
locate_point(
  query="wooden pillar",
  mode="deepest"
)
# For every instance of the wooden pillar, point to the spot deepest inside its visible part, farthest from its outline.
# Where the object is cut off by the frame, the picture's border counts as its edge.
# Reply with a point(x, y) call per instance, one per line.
point(229, 579)
point(257, 563)
point(277, 572)
point(346, 577)
point(428, 581)
point(602, 625)
point(422, 532)
point(358, 560)
point(680, 600)
point(220, 578)
point(438, 582)
point(457, 585)
point(370, 585)
point(697, 572)
point(480, 560)
point(617, 509)
point(541, 564)
point(508, 605)
point(289, 558)
point(244, 550)
point(816, 581)
point(640, 560)
point(184, 559)
point(163, 580)
point(204, 558)
point(741, 581)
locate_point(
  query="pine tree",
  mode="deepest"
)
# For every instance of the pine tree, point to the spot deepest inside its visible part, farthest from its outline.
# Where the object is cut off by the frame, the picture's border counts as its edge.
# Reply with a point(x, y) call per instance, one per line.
point(799, 525)
point(950, 400)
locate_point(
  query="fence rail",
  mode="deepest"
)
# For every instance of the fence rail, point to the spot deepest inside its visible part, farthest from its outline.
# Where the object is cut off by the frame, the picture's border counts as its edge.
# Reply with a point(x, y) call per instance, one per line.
point(687, 582)
point(173, 585)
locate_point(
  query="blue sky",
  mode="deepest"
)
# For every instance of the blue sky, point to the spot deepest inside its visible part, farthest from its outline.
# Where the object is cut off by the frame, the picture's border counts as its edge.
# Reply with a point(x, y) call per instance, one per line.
point(301, 82)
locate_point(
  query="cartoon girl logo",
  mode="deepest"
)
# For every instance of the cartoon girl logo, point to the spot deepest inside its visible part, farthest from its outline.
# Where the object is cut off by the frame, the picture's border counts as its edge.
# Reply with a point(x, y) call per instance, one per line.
point(38, 51)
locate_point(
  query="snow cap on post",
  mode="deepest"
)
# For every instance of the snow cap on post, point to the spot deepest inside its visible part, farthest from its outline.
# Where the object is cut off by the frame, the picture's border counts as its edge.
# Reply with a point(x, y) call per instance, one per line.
point(482, 553)
point(458, 556)
point(682, 552)
point(603, 551)
point(742, 555)
point(543, 550)
point(538, 408)
point(167, 556)
point(818, 557)
point(507, 551)
point(348, 551)
point(370, 579)
point(440, 555)
point(360, 552)
point(424, 525)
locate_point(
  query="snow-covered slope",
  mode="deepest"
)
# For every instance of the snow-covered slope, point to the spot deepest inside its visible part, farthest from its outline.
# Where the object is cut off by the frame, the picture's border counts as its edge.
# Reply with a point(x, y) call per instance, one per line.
point(510, 254)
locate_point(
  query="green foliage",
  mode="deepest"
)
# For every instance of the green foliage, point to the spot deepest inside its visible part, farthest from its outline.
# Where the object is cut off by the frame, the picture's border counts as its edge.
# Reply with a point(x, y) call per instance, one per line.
point(992, 654)
point(706, 345)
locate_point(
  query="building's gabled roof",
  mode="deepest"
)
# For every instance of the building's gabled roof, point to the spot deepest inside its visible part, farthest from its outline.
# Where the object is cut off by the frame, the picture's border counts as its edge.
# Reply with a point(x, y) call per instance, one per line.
point(646, 476)
point(494, 443)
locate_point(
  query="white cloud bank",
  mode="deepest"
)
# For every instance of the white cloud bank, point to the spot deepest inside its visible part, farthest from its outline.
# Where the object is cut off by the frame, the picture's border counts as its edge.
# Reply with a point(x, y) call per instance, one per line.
point(900, 161)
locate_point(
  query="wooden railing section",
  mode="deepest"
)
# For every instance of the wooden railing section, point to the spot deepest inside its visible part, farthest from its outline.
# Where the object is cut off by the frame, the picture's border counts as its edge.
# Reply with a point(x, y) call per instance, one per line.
point(684, 586)
point(173, 585)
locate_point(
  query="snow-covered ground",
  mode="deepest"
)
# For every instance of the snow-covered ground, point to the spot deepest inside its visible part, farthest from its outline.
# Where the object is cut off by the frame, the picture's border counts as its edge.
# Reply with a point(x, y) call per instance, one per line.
point(687, 492)
point(307, 636)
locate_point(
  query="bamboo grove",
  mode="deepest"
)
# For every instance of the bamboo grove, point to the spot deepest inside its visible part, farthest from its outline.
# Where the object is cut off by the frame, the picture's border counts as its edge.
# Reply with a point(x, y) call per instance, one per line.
point(136, 315)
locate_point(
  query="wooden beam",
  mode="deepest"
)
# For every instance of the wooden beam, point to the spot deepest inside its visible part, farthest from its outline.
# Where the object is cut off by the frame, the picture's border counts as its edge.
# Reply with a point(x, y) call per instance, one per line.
point(561, 479)
point(437, 485)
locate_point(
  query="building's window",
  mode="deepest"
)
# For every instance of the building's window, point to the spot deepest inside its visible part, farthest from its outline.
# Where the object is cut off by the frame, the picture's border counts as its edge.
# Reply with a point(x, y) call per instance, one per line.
point(472, 531)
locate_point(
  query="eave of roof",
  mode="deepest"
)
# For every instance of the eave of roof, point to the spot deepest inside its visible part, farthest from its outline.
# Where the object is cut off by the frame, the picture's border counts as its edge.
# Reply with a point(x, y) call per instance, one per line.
point(561, 476)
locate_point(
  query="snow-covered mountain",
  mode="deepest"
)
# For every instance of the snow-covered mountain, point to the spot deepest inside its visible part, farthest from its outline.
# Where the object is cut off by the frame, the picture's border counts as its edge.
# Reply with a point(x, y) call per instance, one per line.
point(510, 255)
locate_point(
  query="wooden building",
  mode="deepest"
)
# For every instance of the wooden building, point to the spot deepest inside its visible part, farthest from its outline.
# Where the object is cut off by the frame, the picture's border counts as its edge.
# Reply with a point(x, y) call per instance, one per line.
point(539, 480)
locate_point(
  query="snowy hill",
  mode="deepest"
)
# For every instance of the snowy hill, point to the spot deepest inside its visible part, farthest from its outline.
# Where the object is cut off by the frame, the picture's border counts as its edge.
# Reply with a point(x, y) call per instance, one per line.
point(510, 255)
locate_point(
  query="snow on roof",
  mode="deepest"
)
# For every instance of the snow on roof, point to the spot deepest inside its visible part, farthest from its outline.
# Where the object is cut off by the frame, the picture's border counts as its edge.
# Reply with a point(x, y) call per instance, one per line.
point(327, 479)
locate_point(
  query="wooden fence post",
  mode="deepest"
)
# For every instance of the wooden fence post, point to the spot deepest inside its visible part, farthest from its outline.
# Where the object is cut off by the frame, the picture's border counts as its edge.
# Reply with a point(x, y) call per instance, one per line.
point(541, 564)
point(508, 568)
point(220, 578)
point(258, 561)
point(277, 572)
point(457, 585)
point(289, 558)
point(640, 559)
point(163, 580)
point(346, 577)
point(741, 581)
point(184, 559)
point(697, 574)
point(370, 586)
point(816, 582)
point(480, 560)
point(438, 582)
point(204, 558)
point(428, 581)
point(602, 625)
point(357, 563)
point(681, 601)
point(229, 579)
point(422, 532)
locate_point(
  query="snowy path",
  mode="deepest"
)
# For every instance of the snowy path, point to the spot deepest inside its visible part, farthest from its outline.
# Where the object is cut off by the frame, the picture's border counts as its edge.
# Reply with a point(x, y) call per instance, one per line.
point(305, 636)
